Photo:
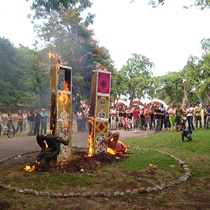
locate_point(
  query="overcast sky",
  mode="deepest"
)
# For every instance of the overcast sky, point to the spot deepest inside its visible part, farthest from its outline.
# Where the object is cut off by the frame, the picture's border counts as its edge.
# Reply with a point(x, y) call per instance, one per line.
point(167, 35)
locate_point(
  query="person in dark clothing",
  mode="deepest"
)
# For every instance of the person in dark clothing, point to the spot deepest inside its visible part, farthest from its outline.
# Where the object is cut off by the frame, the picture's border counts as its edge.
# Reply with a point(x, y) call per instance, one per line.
point(157, 116)
point(37, 120)
point(185, 132)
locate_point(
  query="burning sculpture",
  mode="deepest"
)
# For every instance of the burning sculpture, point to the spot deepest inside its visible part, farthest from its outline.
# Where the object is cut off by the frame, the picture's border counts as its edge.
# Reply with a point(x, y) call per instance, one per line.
point(100, 140)
point(99, 111)
point(61, 109)
point(57, 145)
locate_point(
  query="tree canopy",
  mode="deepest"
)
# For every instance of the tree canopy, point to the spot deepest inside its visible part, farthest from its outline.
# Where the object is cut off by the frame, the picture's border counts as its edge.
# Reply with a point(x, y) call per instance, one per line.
point(22, 75)
point(63, 28)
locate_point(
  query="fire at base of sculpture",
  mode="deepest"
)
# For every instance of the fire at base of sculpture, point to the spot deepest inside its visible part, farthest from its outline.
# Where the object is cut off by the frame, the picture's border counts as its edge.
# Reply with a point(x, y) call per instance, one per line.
point(50, 145)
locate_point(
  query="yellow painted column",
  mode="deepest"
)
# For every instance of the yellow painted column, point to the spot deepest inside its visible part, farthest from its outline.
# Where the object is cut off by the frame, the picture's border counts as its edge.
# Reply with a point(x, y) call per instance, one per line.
point(99, 111)
point(61, 109)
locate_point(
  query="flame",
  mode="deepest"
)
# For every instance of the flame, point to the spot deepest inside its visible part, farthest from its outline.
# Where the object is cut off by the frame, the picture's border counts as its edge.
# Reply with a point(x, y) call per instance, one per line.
point(116, 151)
point(32, 167)
point(111, 151)
point(53, 56)
point(90, 137)
point(66, 86)
point(63, 97)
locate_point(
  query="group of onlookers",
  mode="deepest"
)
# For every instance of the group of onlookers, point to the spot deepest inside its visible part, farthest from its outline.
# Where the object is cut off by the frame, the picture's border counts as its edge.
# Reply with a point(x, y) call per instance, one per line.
point(35, 120)
point(81, 116)
point(157, 116)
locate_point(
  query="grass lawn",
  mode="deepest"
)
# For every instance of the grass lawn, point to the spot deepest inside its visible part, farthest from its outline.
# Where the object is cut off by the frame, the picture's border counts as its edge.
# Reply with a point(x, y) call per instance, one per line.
point(128, 174)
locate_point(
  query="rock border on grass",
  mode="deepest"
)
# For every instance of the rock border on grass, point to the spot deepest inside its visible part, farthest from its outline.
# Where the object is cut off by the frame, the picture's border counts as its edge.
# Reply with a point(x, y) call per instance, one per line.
point(162, 186)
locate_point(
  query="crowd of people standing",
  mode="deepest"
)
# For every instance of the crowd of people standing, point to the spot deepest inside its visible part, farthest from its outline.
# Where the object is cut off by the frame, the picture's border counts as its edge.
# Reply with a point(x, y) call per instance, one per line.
point(35, 120)
point(157, 117)
point(150, 116)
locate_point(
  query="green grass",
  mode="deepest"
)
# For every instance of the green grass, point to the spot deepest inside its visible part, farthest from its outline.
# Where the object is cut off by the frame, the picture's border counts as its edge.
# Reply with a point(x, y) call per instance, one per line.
point(194, 153)
point(130, 173)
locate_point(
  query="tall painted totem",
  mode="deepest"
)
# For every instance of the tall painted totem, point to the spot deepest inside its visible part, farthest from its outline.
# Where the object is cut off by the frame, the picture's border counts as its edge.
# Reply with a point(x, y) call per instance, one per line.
point(61, 108)
point(99, 111)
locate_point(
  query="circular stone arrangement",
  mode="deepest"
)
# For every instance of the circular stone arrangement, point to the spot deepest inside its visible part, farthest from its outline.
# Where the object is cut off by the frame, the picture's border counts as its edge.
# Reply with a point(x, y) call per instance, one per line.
point(162, 186)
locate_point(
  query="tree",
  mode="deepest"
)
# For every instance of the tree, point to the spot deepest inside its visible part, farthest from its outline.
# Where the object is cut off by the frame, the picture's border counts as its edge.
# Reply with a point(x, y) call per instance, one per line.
point(171, 86)
point(118, 85)
point(205, 44)
point(33, 82)
point(8, 73)
point(138, 73)
point(22, 75)
point(67, 34)
point(197, 75)
point(201, 4)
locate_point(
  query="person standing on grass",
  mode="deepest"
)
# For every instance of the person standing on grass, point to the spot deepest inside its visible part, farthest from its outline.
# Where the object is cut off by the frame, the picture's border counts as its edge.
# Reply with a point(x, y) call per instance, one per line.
point(37, 120)
point(178, 114)
point(190, 113)
point(157, 116)
point(25, 117)
point(171, 114)
point(44, 118)
point(136, 113)
point(163, 115)
point(147, 114)
point(198, 115)
point(207, 116)
point(20, 122)
point(10, 121)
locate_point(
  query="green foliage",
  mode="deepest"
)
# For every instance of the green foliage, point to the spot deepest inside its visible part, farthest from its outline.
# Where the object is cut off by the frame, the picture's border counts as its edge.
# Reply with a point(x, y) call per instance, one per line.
point(171, 85)
point(51, 5)
point(22, 75)
point(197, 75)
point(138, 73)
point(65, 31)
point(201, 4)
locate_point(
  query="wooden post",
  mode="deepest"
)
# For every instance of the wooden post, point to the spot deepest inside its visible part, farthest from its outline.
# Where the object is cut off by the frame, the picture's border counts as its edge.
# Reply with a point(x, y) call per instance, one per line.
point(61, 108)
point(99, 111)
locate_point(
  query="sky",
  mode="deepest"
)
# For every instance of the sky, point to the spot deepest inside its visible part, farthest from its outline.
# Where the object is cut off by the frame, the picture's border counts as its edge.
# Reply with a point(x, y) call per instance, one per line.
point(167, 35)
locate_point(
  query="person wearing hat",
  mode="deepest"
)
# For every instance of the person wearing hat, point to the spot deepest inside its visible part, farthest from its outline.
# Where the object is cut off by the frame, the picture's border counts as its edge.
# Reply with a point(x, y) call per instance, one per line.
point(44, 118)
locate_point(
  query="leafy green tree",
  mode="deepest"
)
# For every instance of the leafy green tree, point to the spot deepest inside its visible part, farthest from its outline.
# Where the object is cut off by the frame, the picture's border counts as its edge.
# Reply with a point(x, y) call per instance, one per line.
point(22, 76)
point(56, 5)
point(118, 85)
point(33, 81)
point(171, 86)
point(201, 4)
point(205, 44)
point(66, 33)
point(138, 73)
point(8, 73)
point(197, 75)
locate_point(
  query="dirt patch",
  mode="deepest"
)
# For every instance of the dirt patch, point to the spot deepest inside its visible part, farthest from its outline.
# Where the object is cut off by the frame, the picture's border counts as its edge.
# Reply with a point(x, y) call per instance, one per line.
point(81, 162)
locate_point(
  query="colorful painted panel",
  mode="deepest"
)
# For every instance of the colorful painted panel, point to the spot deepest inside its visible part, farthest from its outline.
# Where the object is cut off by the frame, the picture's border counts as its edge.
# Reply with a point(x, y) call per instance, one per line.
point(101, 129)
point(102, 109)
point(104, 82)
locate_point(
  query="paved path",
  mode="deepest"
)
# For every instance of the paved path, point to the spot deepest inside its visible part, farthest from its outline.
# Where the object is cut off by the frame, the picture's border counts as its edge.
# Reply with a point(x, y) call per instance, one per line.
point(23, 144)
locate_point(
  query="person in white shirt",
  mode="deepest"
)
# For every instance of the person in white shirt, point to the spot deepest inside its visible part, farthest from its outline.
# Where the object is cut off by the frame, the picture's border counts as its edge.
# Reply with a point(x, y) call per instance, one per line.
point(190, 114)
